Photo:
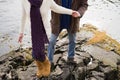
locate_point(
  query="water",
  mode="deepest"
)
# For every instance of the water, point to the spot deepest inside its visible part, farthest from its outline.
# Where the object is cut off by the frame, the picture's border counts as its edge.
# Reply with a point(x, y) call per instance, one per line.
point(105, 14)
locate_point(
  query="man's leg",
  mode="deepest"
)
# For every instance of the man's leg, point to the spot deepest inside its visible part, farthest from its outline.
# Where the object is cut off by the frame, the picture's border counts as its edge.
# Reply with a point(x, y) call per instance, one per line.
point(51, 46)
point(72, 39)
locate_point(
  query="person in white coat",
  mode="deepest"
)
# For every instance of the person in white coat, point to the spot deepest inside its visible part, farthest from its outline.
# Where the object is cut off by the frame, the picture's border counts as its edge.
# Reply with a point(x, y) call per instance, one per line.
point(38, 10)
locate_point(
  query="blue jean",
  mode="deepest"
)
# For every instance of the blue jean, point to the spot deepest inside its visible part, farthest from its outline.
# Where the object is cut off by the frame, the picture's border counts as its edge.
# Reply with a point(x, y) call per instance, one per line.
point(51, 46)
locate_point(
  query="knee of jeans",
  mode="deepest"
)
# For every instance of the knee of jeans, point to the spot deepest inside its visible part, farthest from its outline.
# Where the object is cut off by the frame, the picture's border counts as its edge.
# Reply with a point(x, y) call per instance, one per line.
point(71, 41)
point(52, 42)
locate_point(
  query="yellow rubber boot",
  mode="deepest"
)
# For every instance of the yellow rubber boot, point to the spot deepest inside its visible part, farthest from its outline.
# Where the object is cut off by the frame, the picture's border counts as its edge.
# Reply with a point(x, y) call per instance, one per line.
point(40, 68)
point(46, 67)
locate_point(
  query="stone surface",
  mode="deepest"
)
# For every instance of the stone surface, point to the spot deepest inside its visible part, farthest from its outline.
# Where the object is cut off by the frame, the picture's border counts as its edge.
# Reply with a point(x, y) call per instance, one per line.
point(91, 62)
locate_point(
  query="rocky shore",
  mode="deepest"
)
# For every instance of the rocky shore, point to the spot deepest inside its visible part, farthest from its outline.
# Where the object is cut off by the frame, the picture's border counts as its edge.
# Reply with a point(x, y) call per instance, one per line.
point(97, 57)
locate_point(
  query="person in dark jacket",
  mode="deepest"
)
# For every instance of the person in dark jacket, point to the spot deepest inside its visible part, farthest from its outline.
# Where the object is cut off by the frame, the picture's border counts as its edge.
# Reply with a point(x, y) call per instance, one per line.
point(64, 21)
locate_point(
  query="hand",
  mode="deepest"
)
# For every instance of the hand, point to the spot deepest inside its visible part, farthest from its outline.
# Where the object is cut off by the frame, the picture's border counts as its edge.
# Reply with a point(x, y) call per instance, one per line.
point(76, 14)
point(20, 38)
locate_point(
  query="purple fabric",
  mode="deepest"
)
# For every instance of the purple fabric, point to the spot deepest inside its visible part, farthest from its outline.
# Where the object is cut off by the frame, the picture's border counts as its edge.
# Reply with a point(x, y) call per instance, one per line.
point(38, 33)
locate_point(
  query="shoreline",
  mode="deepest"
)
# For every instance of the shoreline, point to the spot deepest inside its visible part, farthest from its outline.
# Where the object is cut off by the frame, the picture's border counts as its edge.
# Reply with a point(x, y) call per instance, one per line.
point(99, 57)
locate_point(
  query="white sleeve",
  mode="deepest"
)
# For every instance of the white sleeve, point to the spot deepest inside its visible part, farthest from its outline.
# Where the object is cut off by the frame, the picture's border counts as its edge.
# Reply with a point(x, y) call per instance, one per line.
point(59, 9)
point(25, 13)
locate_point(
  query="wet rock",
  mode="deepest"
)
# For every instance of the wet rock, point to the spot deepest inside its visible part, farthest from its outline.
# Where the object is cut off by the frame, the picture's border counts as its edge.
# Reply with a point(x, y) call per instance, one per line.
point(1, 62)
point(107, 57)
point(79, 73)
point(91, 62)
point(94, 75)
point(118, 68)
point(86, 61)
point(112, 75)
point(93, 66)
point(11, 75)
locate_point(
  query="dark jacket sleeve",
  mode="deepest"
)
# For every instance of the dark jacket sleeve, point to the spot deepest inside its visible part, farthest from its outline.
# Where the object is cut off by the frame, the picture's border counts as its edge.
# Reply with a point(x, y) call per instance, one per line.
point(83, 7)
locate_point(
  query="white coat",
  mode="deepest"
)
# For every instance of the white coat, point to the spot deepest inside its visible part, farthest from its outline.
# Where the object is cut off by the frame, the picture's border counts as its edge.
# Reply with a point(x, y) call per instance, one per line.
point(46, 7)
